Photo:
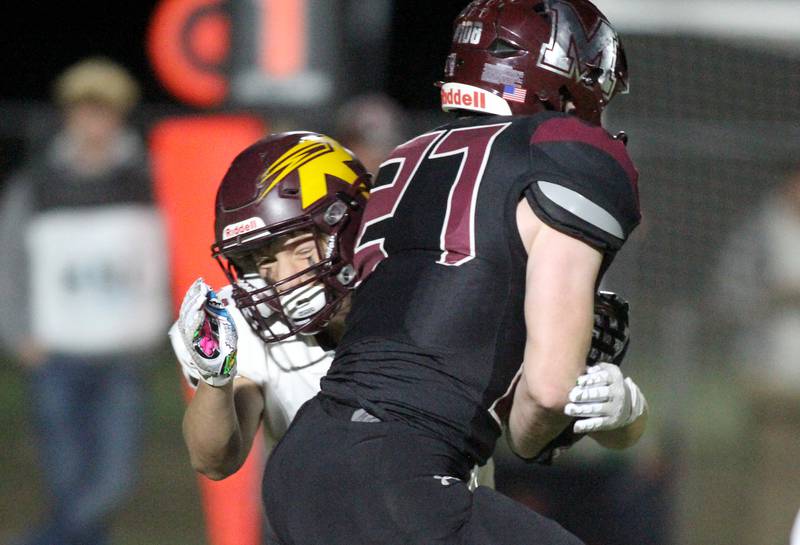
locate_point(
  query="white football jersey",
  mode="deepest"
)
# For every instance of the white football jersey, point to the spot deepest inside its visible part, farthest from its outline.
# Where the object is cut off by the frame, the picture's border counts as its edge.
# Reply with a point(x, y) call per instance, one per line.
point(288, 371)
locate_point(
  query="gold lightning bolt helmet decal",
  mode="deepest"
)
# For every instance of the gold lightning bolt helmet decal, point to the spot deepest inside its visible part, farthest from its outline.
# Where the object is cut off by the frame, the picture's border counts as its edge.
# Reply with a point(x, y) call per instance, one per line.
point(313, 157)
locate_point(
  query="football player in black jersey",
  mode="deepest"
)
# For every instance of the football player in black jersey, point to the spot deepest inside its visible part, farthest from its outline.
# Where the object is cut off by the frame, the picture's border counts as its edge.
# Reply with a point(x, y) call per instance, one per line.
point(479, 256)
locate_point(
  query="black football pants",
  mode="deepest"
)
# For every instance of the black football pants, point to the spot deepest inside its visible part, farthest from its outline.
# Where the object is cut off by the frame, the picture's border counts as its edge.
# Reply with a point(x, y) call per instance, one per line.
point(334, 481)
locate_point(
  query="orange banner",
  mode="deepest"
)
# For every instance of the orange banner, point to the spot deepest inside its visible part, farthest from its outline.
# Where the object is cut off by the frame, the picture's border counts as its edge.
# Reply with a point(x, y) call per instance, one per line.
point(189, 158)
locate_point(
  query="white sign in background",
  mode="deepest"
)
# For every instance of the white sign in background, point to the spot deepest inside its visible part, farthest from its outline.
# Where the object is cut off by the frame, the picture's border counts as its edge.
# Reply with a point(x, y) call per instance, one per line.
point(99, 279)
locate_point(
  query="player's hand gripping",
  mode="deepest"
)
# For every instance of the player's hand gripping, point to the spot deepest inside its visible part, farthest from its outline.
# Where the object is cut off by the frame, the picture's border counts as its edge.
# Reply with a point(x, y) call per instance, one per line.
point(610, 334)
point(604, 400)
point(610, 340)
point(209, 334)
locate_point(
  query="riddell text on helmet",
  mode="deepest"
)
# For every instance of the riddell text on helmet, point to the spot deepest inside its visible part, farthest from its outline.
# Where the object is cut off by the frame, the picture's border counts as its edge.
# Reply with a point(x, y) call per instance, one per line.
point(454, 97)
point(242, 227)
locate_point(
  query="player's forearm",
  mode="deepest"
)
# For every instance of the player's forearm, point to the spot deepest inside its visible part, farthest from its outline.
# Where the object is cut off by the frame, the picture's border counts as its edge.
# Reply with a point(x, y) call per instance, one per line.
point(531, 424)
point(555, 356)
point(211, 432)
point(624, 437)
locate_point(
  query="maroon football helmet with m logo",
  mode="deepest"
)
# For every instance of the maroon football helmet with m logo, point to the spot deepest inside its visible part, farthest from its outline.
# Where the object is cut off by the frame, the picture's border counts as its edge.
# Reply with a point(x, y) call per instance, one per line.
point(516, 57)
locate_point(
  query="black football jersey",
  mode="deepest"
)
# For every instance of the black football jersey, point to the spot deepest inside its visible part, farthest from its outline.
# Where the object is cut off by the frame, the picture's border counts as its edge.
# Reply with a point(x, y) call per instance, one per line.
point(436, 331)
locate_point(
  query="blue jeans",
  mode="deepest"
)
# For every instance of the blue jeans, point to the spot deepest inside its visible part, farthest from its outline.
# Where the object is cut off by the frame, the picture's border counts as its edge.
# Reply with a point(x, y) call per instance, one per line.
point(89, 425)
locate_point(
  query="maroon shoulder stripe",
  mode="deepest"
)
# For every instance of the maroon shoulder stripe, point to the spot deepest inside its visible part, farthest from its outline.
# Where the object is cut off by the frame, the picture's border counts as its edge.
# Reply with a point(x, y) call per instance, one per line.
point(572, 129)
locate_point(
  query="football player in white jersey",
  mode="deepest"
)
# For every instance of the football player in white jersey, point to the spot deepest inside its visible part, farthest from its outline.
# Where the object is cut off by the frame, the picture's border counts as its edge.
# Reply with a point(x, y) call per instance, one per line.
point(287, 212)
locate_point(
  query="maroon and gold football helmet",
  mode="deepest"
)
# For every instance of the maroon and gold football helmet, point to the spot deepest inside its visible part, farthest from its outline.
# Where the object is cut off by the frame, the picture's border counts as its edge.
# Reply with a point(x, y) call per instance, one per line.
point(285, 184)
point(517, 57)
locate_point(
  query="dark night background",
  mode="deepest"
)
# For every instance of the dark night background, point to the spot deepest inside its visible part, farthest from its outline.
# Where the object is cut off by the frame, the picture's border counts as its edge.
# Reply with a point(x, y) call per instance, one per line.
point(39, 39)
point(714, 120)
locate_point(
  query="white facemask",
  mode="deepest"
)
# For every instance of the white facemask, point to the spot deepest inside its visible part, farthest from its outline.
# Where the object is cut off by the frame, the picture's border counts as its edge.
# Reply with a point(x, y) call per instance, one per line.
point(300, 305)
point(255, 282)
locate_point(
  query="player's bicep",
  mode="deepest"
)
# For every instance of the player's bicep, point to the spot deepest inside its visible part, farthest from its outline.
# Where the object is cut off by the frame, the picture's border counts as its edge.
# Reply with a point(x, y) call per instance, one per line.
point(248, 399)
point(559, 301)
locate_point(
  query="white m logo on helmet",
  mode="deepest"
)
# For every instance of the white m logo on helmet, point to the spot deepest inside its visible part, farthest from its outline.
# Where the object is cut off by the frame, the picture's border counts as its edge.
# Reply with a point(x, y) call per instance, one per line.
point(572, 46)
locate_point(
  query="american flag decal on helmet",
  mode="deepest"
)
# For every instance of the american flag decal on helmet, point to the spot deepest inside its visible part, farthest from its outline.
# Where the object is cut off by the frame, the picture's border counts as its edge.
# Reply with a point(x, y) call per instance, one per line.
point(514, 94)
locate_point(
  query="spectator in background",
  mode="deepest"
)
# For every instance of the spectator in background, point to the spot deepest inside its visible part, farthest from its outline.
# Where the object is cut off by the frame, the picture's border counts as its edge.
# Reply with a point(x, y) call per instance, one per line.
point(757, 289)
point(370, 125)
point(758, 283)
point(84, 299)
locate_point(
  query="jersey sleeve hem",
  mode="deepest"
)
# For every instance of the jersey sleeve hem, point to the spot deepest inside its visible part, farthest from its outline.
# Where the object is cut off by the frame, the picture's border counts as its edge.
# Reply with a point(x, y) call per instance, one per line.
point(572, 214)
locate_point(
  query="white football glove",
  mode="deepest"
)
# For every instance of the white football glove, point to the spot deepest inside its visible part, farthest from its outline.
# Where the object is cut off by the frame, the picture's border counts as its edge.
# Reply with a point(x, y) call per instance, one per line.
point(604, 400)
point(209, 334)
